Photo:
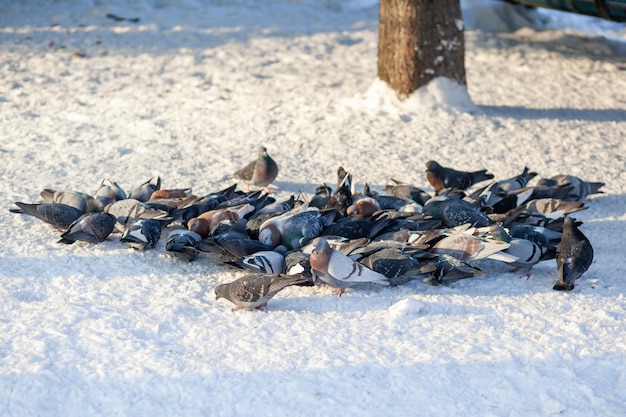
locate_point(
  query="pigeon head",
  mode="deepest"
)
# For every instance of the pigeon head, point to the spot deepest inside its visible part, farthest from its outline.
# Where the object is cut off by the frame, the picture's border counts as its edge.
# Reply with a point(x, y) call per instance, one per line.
point(270, 235)
point(221, 291)
point(200, 226)
point(432, 166)
point(320, 256)
point(432, 208)
point(363, 208)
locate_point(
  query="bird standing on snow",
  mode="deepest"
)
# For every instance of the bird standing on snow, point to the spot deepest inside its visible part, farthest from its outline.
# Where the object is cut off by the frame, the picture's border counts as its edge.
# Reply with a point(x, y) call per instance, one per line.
point(259, 173)
point(574, 254)
point(253, 291)
point(340, 271)
point(58, 215)
point(442, 177)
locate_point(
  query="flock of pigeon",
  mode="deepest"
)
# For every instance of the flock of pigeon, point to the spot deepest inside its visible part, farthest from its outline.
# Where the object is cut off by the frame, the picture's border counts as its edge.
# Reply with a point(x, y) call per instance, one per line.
point(340, 237)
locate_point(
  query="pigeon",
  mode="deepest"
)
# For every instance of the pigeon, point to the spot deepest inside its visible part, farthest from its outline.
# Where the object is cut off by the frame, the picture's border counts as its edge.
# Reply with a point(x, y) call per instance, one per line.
point(363, 208)
point(574, 255)
point(90, 227)
point(181, 243)
point(527, 252)
point(455, 212)
point(407, 192)
point(275, 208)
point(492, 201)
point(354, 228)
point(81, 201)
point(442, 177)
point(145, 190)
point(342, 198)
point(170, 194)
point(207, 223)
point(109, 192)
point(297, 262)
point(552, 208)
point(259, 173)
point(194, 206)
point(290, 228)
point(235, 248)
point(467, 248)
point(541, 235)
point(264, 262)
point(515, 183)
point(128, 210)
point(393, 263)
point(580, 188)
point(450, 269)
point(142, 234)
point(388, 202)
point(253, 291)
point(59, 215)
point(340, 271)
point(321, 196)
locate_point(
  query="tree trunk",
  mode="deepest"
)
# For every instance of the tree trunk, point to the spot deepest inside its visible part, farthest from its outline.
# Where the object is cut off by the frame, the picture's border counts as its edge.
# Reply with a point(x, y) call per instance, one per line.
point(418, 41)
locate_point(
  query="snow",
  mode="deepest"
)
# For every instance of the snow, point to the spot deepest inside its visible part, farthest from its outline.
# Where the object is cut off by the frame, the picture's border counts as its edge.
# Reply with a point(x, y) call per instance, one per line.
point(188, 93)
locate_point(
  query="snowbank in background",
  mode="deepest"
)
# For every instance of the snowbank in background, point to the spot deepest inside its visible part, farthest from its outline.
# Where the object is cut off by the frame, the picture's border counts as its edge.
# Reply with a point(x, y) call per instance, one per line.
point(440, 94)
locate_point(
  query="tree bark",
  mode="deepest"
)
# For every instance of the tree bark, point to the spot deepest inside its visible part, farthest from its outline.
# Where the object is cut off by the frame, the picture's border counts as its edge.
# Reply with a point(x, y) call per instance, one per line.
point(418, 41)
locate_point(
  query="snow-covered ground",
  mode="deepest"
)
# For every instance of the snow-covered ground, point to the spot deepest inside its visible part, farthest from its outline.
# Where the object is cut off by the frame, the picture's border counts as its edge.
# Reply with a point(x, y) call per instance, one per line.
point(188, 93)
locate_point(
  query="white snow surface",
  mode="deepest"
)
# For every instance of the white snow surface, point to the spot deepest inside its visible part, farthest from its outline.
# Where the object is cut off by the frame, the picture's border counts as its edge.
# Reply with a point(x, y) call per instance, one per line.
point(188, 93)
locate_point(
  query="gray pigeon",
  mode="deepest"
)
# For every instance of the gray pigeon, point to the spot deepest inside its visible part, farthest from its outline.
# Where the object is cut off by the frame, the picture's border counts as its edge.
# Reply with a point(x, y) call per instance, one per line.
point(81, 201)
point(407, 191)
point(392, 262)
point(253, 291)
point(109, 192)
point(574, 254)
point(515, 183)
point(90, 227)
point(58, 215)
point(259, 173)
point(128, 210)
point(144, 191)
point(450, 269)
point(321, 196)
point(181, 243)
point(455, 212)
point(580, 188)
